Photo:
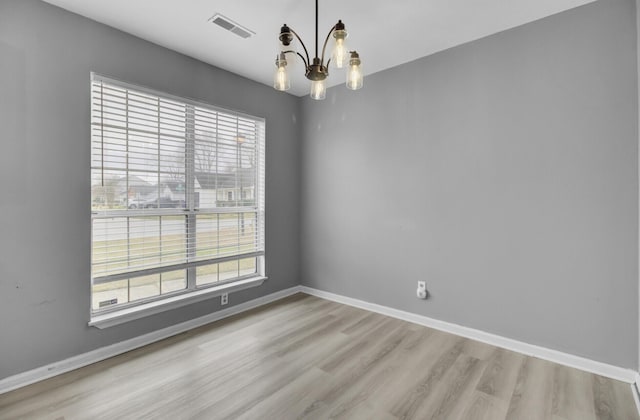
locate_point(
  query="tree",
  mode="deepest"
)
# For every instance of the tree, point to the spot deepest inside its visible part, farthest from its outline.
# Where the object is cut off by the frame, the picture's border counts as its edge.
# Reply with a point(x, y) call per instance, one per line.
point(205, 153)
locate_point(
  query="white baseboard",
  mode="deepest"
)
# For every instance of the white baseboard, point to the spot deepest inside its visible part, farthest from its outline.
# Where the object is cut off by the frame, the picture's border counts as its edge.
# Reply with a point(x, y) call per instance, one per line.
point(635, 390)
point(599, 368)
point(81, 360)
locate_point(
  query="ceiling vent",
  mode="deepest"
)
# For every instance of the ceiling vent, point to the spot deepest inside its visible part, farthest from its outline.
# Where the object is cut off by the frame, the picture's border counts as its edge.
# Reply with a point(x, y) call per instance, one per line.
point(229, 25)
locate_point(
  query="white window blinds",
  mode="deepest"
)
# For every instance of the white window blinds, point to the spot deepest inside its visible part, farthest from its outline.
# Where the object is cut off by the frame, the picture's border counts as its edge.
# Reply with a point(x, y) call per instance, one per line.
point(177, 194)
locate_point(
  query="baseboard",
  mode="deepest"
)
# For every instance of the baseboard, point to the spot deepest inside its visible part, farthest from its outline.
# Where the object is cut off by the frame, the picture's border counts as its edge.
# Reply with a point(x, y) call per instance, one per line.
point(635, 390)
point(26, 378)
point(599, 368)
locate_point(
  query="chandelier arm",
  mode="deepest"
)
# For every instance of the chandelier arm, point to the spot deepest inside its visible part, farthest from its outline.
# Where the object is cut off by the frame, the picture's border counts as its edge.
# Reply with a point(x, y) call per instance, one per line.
point(303, 46)
point(306, 64)
point(324, 47)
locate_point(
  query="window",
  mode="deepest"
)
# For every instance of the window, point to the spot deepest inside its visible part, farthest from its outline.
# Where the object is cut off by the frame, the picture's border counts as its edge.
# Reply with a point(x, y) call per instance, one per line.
point(159, 225)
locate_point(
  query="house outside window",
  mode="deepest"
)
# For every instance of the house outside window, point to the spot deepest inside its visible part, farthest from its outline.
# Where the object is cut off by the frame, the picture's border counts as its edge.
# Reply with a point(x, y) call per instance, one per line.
point(157, 165)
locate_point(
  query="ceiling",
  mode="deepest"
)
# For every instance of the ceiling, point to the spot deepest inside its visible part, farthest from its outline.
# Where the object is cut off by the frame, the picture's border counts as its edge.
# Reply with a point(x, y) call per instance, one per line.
point(385, 34)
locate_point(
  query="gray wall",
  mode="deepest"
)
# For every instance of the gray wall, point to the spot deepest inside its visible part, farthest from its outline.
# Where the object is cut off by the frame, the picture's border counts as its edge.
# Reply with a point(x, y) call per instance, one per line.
point(46, 56)
point(504, 172)
point(638, 61)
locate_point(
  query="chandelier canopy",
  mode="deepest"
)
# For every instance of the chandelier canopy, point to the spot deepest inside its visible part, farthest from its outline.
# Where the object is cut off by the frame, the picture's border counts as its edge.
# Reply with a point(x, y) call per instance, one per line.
point(316, 70)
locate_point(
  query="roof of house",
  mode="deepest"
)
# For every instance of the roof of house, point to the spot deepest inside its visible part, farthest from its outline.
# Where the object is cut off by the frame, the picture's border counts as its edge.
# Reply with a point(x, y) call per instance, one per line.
point(211, 180)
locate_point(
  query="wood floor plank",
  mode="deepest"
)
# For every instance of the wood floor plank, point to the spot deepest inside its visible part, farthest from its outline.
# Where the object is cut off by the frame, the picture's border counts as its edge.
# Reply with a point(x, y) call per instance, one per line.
point(612, 399)
point(478, 350)
point(393, 382)
point(500, 376)
point(360, 396)
point(532, 396)
point(364, 361)
point(482, 406)
point(308, 358)
point(573, 394)
point(291, 400)
point(365, 324)
point(419, 391)
point(344, 359)
point(448, 401)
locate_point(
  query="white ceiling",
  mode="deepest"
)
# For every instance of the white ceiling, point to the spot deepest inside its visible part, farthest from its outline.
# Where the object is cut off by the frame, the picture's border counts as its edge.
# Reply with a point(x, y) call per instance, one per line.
point(385, 34)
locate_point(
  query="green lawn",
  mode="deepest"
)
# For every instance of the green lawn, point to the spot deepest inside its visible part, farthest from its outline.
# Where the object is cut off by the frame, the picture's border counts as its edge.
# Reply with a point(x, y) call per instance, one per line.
point(114, 256)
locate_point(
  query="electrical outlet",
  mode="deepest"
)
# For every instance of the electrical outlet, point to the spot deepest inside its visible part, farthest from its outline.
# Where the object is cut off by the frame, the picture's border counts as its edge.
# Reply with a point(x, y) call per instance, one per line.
point(224, 299)
point(421, 292)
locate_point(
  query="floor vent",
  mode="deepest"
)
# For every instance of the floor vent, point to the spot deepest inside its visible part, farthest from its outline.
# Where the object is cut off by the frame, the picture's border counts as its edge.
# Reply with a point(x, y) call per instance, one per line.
point(226, 23)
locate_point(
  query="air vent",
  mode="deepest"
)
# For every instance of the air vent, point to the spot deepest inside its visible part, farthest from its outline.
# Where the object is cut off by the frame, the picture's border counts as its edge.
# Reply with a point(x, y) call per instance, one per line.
point(226, 23)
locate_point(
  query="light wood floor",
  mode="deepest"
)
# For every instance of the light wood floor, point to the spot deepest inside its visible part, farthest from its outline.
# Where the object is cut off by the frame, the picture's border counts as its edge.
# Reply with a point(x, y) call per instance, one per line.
point(307, 358)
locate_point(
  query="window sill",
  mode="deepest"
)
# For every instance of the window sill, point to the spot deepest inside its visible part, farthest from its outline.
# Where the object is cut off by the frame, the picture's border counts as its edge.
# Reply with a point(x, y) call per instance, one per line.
point(111, 319)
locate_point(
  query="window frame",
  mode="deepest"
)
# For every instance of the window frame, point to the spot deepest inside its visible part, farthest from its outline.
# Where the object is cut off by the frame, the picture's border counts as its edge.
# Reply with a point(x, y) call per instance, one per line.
point(192, 291)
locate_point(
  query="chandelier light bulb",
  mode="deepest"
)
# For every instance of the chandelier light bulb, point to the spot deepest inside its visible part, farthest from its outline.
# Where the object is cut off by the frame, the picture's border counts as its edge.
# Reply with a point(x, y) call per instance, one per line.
point(281, 78)
point(355, 78)
point(318, 90)
point(340, 56)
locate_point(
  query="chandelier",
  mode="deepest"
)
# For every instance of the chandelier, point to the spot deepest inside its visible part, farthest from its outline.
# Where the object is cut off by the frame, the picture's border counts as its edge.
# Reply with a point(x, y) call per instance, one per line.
point(316, 70)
